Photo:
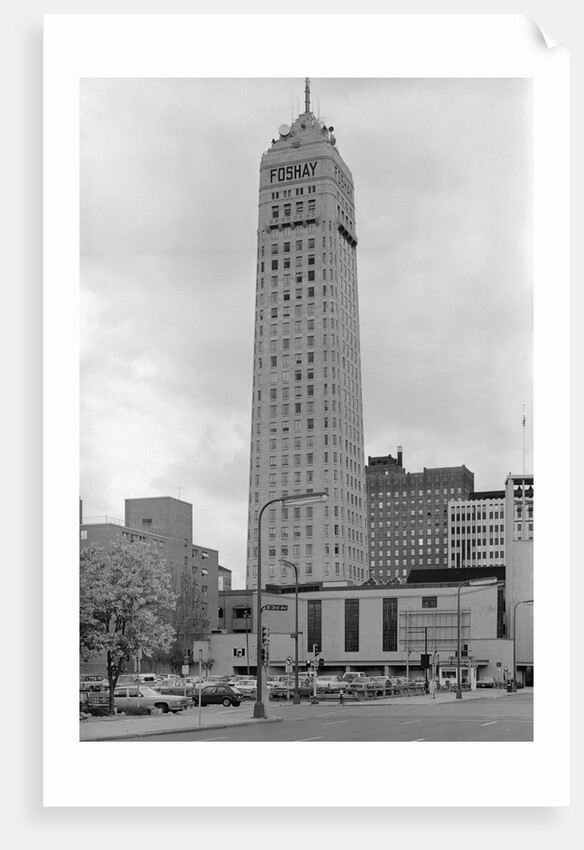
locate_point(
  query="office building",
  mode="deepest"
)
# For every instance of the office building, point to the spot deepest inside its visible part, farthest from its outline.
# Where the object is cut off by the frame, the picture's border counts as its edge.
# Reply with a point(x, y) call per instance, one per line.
point(476, 530)
point(408, 514)
point(307, 418)
point(166, 524)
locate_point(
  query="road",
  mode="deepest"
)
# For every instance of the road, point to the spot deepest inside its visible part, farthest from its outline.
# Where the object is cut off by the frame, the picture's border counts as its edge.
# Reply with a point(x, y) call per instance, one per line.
point(504, 719)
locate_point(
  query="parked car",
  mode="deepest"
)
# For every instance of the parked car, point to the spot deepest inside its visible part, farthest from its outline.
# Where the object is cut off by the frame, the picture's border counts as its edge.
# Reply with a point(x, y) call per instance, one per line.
point(218, 694)
point(330, 684)
point(180, 687)
point(127, 698)
point(279, 681)
point(130, 678)
point(360, 685)
point(194, 680)
point(486, 682)
point(246, 687)
point(381, 684)
point(92, 682)
point(353, 674)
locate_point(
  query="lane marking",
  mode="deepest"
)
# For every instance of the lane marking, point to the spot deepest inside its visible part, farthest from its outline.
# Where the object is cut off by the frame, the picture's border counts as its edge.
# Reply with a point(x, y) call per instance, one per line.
point(219, 738)
point(332, 722)
point(489, 724)
point(415, 741)
point(408, 722)
point(316, 737)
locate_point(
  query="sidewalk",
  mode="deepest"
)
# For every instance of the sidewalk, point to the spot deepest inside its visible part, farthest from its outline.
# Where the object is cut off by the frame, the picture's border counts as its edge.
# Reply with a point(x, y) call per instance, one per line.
point(211, 717)
point(133, 726)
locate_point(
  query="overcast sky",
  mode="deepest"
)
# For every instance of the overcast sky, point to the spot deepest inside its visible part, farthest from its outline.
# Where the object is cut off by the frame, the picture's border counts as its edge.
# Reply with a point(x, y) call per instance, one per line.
point(169, 192)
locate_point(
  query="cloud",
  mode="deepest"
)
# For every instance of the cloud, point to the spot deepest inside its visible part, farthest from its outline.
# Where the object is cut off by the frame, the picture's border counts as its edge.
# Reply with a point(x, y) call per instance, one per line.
point(169, 182)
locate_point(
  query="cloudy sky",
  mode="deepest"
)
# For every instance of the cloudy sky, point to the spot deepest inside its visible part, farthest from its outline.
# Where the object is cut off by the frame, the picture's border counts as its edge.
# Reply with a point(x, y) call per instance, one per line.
point(169, 188)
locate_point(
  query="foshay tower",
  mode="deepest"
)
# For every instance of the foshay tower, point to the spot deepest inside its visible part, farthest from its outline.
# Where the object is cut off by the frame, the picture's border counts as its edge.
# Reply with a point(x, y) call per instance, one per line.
point(307, 413)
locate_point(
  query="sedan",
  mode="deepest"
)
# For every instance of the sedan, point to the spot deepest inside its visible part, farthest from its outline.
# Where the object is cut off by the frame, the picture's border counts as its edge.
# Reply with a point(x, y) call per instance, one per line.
point(144, 698)
point(381, 684)
point(180, 687)
point(330, 684)
point(218, 694)
point(360, 685)
point(90, 682)
point(247, 687)
point(486, 682)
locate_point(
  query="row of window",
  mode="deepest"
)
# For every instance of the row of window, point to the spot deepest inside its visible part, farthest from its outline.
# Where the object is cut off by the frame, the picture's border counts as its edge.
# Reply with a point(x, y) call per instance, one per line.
point(411, 494)
point(298, 209)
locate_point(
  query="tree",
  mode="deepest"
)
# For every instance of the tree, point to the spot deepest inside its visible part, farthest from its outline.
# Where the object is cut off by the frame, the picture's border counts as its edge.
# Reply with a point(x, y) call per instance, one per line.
point(190, 621)
point(126, 604)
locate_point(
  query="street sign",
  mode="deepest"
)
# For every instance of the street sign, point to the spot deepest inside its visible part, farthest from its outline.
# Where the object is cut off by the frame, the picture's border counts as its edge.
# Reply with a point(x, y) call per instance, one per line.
point(289, 668)
point(185, 669)
point(289, 660)
point(498, 663)
point(274, 607)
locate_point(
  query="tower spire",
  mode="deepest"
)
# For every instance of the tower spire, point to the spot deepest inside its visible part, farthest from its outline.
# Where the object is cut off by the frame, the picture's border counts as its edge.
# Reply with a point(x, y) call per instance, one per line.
point(307, 94)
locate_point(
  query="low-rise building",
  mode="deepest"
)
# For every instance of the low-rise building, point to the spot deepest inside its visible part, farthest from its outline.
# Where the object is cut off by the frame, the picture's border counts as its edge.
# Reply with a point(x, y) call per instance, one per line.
point(380, 630)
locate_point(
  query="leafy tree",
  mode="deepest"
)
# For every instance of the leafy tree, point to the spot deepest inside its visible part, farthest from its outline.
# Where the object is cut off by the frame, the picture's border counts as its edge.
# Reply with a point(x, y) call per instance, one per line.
point(190, 621)
point(126, 603)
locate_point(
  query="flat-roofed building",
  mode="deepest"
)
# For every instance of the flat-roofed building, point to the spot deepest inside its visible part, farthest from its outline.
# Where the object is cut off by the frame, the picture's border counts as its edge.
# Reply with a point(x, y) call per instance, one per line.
point(476, 530)
point(408, 514)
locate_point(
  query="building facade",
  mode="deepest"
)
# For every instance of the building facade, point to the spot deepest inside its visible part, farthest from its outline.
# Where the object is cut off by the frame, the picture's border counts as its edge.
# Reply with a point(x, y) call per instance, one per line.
point(476, 530)
point(166, 524)
point(307, 416)
point(408, 514)
point(377, 630)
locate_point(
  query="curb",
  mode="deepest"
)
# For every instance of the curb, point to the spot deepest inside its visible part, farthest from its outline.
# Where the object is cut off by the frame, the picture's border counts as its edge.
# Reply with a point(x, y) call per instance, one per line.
point(181, 730)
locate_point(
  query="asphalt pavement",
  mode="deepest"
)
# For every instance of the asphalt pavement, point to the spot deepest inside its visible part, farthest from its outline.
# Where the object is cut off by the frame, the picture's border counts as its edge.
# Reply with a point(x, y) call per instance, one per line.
point(126, 727)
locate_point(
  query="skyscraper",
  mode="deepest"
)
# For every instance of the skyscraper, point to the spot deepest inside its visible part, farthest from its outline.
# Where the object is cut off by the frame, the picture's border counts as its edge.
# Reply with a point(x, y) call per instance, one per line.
point(307, 415)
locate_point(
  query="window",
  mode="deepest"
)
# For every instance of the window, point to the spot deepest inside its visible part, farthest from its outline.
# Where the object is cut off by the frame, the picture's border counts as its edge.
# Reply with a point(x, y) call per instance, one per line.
point(351, 625)
point(429, 601)
point(314, 624)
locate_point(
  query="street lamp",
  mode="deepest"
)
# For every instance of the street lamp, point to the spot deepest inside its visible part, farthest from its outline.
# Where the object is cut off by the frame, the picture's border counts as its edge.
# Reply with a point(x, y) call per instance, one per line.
point(290, 565)
point(247, 616)
point(521, 602)
point(480, 582)
point(301, 499)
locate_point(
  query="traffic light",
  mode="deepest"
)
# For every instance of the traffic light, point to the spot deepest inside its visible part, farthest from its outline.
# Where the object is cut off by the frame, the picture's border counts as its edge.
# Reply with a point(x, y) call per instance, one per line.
point(425, 661)
point(265, 635)
point(320, 661)
point(265, 654)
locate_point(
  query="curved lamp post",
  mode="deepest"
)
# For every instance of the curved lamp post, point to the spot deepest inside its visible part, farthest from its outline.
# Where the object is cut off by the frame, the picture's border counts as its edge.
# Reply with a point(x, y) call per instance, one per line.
point(478, 582)
point(521, 602)
point(290, 565)
point(301, 499)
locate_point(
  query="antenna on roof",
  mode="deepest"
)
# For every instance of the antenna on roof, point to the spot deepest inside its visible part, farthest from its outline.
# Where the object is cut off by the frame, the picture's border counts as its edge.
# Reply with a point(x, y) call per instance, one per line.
point(306, 94)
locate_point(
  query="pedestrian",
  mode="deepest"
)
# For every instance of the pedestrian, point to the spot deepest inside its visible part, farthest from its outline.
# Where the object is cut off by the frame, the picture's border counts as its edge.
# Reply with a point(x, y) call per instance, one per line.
point(341, 698)
point(432, 688)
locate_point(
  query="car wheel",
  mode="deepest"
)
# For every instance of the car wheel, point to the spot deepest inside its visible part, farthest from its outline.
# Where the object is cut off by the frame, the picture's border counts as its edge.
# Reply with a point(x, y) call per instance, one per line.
point(226, 701)
point(163, 706)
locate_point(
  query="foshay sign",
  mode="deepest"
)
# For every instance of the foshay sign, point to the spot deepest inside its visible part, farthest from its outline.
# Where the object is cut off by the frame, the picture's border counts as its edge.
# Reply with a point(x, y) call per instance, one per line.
point(292, 172)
